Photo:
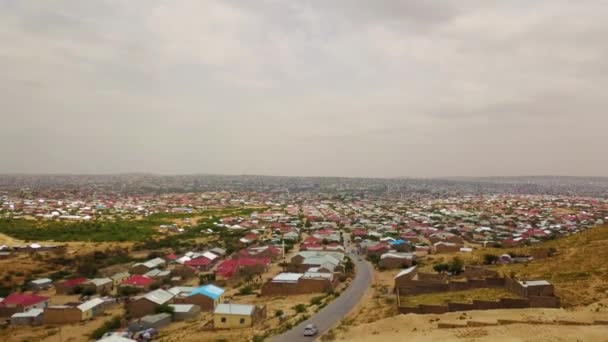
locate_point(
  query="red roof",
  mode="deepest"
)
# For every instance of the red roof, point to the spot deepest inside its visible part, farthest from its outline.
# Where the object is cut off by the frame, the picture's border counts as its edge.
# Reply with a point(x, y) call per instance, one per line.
point(227, 268)
point(171, 256)
point(200, 261)
point(138, 280)
point(311, 239)
point(22, 299)
point(377, 247)
point(74, 282)
point(251, 237)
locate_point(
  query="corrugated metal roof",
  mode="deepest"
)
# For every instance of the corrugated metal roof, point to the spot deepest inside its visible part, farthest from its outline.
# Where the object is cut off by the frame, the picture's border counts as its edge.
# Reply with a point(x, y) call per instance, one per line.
point(210, 291)
point(287, 278)
point(181, 307)
point(41, 281)
point(234, 309)
point(88, 305)
point(30, 313)
point(405, 271)
point(159, 296)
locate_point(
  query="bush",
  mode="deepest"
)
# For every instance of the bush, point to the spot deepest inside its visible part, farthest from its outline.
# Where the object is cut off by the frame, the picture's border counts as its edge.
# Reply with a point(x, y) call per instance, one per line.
point(300, 308)
point(456, 265)
point(278, 313)
point(246, 290)
point(316, 300)
point(441, 267)
point(490, 259)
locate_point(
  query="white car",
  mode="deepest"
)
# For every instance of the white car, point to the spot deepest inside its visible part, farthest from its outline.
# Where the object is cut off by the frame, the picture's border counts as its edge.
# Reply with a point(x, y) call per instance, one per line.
point(310, 330)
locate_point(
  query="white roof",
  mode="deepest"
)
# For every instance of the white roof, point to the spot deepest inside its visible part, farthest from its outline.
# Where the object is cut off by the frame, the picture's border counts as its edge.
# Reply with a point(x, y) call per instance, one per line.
point(41, 281)
point(210, 256)
point(90, 304)
point(176, 290)
point(234, 309)
point(397, 255)
point(29, 313)
point(100, 281)
point(182, 307)
point(287, 278)
point(405, 271)
point(159, 296)
point(183, 259)
point(313, 275)
point(534, 283)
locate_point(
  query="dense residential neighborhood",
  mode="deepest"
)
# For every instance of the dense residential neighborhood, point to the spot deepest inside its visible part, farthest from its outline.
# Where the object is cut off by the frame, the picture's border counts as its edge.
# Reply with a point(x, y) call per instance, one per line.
point(234, 260)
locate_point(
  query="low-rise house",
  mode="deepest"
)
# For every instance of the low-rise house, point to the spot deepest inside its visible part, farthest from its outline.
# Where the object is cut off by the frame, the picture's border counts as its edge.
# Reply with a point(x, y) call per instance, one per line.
point(206, 297)
point(446, 247)
point(243, 266)
point(17, 302)
point(396, 260)
point(285, 284)
point(68, 314)
point(31, 317)
point(70, 286)
point(231, 316)
point(182, 312)
point(157, 274)
point(99, 285)
point(155, 321)
point(144, 267)
point(405, 276)
point(138, 281)
point(40, 284)
point(377, 249)
point(118, 278)
point(145, 305)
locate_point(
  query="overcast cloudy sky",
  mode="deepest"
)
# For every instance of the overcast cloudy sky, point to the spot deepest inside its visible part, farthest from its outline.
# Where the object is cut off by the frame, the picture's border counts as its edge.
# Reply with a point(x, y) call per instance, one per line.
point(329, 87)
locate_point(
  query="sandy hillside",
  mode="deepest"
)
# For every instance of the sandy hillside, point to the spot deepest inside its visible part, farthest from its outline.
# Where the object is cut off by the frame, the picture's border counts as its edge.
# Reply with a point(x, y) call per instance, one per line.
point(425, 327)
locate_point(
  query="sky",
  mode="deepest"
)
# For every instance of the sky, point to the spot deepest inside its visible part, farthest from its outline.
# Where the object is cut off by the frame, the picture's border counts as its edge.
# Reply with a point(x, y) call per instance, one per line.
point(352, 88)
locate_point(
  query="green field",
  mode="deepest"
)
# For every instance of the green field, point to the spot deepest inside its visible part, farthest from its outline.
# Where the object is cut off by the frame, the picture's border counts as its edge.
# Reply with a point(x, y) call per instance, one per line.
point(96, 231)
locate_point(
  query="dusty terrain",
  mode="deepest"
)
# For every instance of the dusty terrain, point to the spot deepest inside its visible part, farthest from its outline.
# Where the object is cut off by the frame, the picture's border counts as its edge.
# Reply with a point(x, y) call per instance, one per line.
point(425, 327)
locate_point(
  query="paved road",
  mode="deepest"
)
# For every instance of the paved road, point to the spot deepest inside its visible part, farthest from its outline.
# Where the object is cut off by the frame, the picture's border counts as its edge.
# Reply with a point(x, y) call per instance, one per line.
point(336, 310)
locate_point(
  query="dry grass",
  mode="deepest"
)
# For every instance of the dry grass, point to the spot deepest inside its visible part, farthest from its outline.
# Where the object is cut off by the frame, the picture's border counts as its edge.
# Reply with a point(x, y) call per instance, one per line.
point(579, 271)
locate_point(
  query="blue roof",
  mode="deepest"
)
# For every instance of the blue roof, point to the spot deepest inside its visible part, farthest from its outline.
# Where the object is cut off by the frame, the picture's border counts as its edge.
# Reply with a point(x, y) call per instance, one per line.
point(210, 291)
point(397, 242)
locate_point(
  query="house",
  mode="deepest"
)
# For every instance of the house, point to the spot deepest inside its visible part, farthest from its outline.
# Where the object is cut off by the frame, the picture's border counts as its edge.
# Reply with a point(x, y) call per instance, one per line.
point(377, 249)
point(446, 247)
point(206, 297)
point(118, 278)
point(144, 267)
point(201, 263)
point(99, 285)
point(325, 261)
point(220, 252)
point(70, 286)
point(40, 284)
point(230, 316)
point(156, 321)
point(396, 260)
point(405, 276)
point(145, 305)
point(138, 281)
point(157, 274)
point(91, 308)
point(445, 237)
point(31, 317)
point(68, 314)
point(182, 312)
point(243, 266)
point(17, 302)
point(285, 284)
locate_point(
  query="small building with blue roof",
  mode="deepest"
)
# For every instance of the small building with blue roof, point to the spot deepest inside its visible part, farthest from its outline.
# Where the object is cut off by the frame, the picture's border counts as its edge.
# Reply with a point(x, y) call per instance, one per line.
point(207, 297)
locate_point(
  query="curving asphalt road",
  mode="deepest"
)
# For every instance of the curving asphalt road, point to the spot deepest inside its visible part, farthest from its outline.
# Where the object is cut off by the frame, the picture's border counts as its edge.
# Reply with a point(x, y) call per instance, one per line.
point(337, 309)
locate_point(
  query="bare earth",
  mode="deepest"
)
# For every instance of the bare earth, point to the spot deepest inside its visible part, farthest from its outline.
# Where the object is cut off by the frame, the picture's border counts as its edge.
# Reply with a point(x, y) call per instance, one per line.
point(424, 327)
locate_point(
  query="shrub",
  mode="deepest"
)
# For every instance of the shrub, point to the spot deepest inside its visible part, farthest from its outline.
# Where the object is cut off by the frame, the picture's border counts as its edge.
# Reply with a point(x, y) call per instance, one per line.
point(300, 308)
point(490, 259)
point(316, 300)
point(278, 313)
point(246, 290)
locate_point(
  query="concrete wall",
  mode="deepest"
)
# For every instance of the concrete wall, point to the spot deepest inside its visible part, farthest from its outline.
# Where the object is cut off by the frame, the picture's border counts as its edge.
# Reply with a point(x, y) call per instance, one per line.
point(503, 303)
point(205, 303)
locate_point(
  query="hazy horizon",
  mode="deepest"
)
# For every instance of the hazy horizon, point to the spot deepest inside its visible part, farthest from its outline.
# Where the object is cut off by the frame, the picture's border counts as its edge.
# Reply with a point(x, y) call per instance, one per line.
point(382, 89)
